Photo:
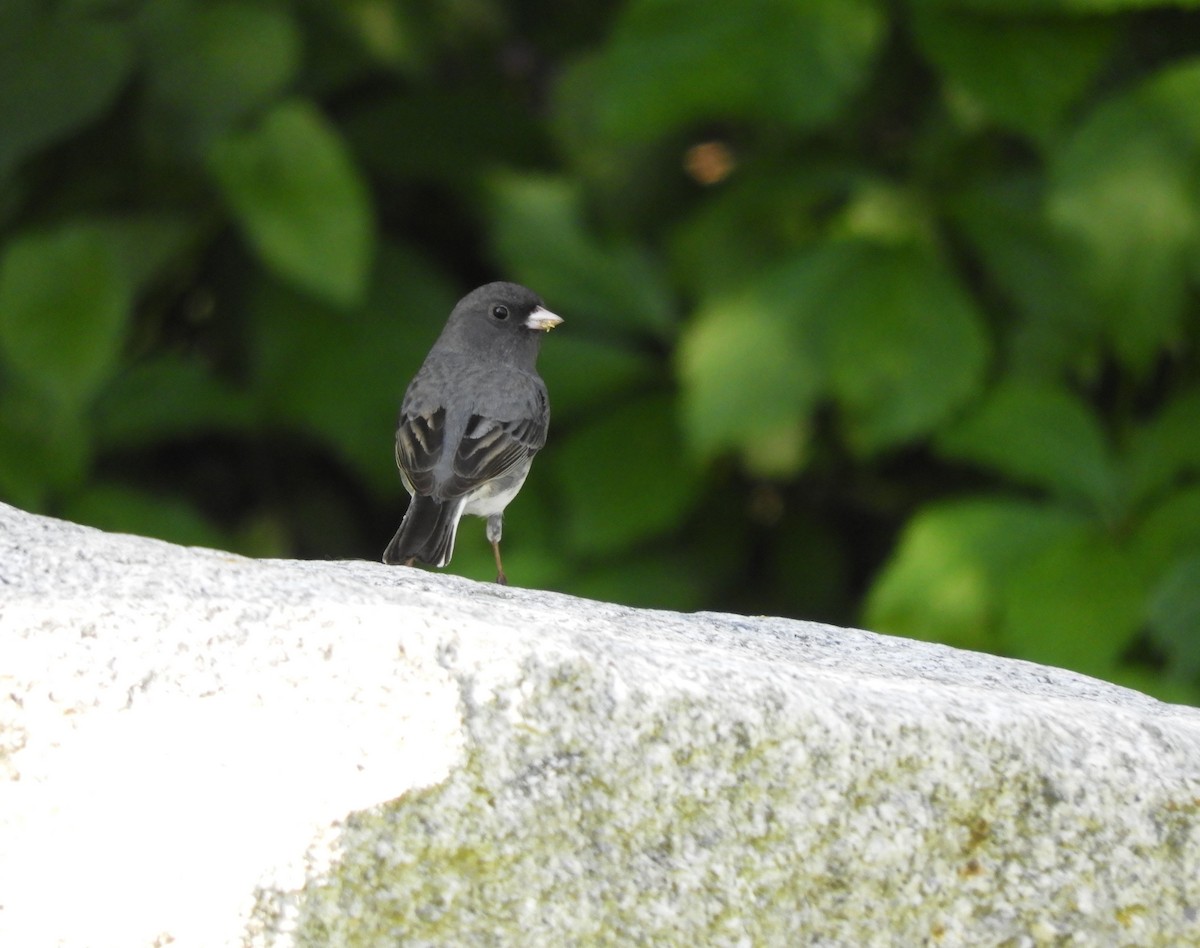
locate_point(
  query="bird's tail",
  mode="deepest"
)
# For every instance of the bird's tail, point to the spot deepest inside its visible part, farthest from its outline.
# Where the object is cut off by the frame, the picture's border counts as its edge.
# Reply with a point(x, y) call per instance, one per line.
point(426, 533)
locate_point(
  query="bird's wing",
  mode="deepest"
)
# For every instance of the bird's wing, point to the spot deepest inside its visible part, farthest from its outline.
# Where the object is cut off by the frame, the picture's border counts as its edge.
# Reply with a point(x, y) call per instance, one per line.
point(420, 437)
point(505, 428)
point(491, 448)
point(498, 439)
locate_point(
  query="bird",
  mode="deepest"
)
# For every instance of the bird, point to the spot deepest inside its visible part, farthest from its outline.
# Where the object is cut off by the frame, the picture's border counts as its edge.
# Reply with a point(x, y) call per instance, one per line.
point(471, 421)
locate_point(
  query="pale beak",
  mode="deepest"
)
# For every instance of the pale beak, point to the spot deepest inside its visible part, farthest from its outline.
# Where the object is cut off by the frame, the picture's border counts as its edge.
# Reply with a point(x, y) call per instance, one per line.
point(542, 320)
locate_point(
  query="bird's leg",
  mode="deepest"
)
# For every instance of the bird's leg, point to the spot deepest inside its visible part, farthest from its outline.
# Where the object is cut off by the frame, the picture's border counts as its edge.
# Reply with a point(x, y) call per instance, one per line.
point(500, 577)
point(495, 525)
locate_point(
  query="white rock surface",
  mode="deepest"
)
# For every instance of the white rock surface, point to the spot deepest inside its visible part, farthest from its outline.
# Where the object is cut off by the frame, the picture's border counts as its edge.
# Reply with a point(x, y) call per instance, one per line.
point(200, 749)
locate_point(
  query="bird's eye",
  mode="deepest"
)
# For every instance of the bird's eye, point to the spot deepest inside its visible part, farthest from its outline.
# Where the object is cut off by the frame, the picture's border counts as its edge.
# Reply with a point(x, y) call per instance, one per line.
point(500, 312)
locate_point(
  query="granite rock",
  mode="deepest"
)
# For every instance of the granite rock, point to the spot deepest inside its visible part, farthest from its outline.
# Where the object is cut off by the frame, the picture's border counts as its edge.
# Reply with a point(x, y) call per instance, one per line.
point(201, 749)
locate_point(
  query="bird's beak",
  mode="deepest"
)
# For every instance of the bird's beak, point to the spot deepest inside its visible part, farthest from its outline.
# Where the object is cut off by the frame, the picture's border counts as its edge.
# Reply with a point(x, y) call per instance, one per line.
point(542, 320)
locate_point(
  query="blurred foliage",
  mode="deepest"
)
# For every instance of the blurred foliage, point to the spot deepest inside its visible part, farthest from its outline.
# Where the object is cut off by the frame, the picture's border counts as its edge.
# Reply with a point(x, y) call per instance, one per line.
point(877, 313)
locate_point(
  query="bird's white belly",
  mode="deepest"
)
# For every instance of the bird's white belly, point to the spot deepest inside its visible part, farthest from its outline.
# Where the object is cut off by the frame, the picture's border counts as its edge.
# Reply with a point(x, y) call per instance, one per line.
point(491, 498)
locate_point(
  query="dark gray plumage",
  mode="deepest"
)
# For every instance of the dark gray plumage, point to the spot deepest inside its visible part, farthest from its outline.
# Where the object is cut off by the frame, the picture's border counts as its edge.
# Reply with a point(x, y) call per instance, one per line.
point(472, 419)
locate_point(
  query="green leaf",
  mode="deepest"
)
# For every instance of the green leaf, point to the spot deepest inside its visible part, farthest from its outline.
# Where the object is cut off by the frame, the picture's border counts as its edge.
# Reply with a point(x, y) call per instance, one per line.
point(901, 341)
point(1075, 602)
point(1057, 326)
point(1126, 190)
point(212, 62)
point(671, 63)
point(886, 213)
point(44, 448)
point(656, 581)
point(387, 33)
point(1171, 529)
point(946, 580)
point(1165, 448)
point(615, 170)
point(1056, 7)
point(1173, 615)
point(64, 305)
point(60, 69)
point(582, 373)
point(624, 478)
point(753, 221)
point(120, 510)
point(1043, 436)
point(145, 245)
point(1024, 73)
point(540, 234)
point(339, 376)
point(863, 321)
point(747, 374)
point(301, 202)
point(166, 398)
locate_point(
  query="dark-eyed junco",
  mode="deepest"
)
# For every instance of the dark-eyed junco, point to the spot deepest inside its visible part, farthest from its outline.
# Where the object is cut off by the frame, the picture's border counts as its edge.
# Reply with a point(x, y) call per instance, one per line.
point(472, 419)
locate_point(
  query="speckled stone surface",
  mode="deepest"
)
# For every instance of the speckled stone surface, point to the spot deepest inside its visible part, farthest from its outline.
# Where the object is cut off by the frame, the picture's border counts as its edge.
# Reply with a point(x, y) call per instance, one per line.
point(200, 749)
